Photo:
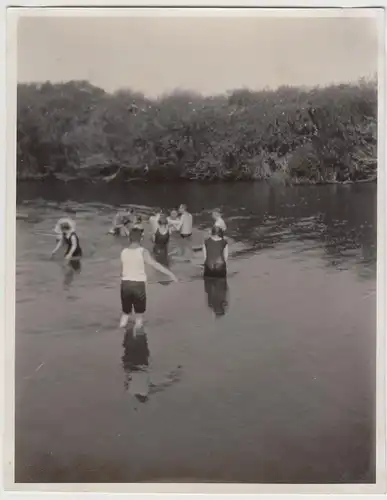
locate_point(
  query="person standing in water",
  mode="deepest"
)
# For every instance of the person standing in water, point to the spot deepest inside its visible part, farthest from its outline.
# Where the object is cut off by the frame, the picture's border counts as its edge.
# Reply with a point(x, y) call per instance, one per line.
point(161, 240)
point(218, 220)
point(133, 279)
point(173, 221)
point(154, 220)
point(185, 229)
point(215, 250)
point(121, 222)
point(70, 240)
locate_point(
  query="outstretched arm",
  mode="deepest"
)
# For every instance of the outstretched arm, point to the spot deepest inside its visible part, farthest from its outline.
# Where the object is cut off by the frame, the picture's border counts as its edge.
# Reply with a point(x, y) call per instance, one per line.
point(58, 245)
point(156, 265)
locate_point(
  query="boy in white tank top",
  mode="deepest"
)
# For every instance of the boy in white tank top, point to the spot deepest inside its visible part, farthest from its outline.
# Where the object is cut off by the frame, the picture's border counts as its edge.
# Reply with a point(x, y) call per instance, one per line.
point(133, 278)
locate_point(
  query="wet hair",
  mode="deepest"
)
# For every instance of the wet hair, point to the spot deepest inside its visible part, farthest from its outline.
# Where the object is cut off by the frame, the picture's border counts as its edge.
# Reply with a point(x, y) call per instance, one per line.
point(135, 235)
point(157, 210)
point(217, 231)
point(65, 226)
point(139, 219)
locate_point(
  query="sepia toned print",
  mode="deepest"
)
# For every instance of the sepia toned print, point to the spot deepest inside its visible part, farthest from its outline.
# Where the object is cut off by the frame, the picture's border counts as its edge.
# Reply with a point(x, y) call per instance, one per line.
point(196, 249)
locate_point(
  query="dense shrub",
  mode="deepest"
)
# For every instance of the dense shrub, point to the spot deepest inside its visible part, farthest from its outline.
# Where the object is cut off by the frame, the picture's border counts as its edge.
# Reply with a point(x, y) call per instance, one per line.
point(74, 129)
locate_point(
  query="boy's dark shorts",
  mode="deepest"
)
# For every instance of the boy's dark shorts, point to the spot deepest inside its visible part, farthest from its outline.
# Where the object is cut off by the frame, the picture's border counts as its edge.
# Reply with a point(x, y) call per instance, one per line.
point(133, 296)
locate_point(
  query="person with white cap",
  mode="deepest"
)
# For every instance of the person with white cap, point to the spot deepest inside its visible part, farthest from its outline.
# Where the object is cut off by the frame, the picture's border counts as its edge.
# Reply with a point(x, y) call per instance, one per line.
point(67, 237)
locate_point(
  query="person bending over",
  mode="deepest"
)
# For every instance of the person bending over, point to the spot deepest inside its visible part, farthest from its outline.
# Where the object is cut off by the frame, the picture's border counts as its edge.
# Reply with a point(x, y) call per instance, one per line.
point(70, 240)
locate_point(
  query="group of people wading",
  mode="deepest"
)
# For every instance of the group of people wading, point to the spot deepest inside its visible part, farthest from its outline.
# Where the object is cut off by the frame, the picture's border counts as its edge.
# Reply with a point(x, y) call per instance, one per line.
point(134, 256)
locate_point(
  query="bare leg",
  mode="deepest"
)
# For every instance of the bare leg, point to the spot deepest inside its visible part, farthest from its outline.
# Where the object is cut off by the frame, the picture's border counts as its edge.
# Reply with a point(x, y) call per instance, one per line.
point(138, 323)
point(124, 320)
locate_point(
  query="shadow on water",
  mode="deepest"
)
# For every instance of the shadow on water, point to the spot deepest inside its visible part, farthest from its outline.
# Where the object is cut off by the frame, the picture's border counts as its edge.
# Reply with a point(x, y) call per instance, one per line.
point(70, 270)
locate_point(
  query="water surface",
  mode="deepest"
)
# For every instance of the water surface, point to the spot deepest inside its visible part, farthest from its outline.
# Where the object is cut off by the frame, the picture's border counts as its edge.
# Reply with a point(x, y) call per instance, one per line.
point(266, 377)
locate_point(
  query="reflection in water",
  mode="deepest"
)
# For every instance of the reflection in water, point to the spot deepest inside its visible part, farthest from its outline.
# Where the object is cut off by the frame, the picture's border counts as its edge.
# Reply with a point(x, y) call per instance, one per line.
point(161, 256)
point(217, 295)
point(135, 361)
point(71, 269)
point(326, 354)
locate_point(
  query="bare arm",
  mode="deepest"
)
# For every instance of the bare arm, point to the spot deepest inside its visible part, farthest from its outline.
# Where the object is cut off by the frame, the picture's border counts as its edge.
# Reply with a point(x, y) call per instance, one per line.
point(156, 265)
point(179, 223)
point(58, 245)
point(225, 252)
point(204, 251)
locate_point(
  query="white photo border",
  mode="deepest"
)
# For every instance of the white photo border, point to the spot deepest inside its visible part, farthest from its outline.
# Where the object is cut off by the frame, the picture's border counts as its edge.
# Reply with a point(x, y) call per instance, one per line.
point(8, 119)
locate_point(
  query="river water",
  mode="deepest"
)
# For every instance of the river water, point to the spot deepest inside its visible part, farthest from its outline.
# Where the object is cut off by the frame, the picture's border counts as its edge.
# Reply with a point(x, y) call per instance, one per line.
point(268, 377)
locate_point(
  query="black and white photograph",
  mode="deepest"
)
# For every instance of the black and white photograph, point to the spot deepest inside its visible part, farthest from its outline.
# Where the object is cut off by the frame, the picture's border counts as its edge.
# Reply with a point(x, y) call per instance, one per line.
point(196, 246)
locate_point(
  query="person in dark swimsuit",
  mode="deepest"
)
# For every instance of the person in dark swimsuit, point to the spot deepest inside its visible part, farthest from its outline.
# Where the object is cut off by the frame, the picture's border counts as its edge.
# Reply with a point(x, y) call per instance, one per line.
point(70, 240)
point(215, 250)
point(161, 240)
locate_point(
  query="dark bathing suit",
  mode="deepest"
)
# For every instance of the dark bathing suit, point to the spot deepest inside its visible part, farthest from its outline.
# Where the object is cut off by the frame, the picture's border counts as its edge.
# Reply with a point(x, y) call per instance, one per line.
point(215, 264)
point(75, 258)
point(160, 248)
point(161, 240)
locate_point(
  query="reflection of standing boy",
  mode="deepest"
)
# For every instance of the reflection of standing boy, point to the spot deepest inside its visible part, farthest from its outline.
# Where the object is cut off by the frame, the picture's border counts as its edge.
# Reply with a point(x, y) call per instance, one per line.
point(136, 362)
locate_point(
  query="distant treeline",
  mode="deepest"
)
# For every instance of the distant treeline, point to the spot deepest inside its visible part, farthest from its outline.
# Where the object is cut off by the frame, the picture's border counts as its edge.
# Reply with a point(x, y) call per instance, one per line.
point(75, 130)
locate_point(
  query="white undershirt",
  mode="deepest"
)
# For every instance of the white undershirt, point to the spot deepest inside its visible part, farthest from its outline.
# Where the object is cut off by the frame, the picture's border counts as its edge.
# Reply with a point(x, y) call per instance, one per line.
point(133, 265)
point(186, 223)
point(154, 222)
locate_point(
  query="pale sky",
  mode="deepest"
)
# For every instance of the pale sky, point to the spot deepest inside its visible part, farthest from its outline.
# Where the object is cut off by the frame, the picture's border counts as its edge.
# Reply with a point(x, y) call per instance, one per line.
point(208, 55)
